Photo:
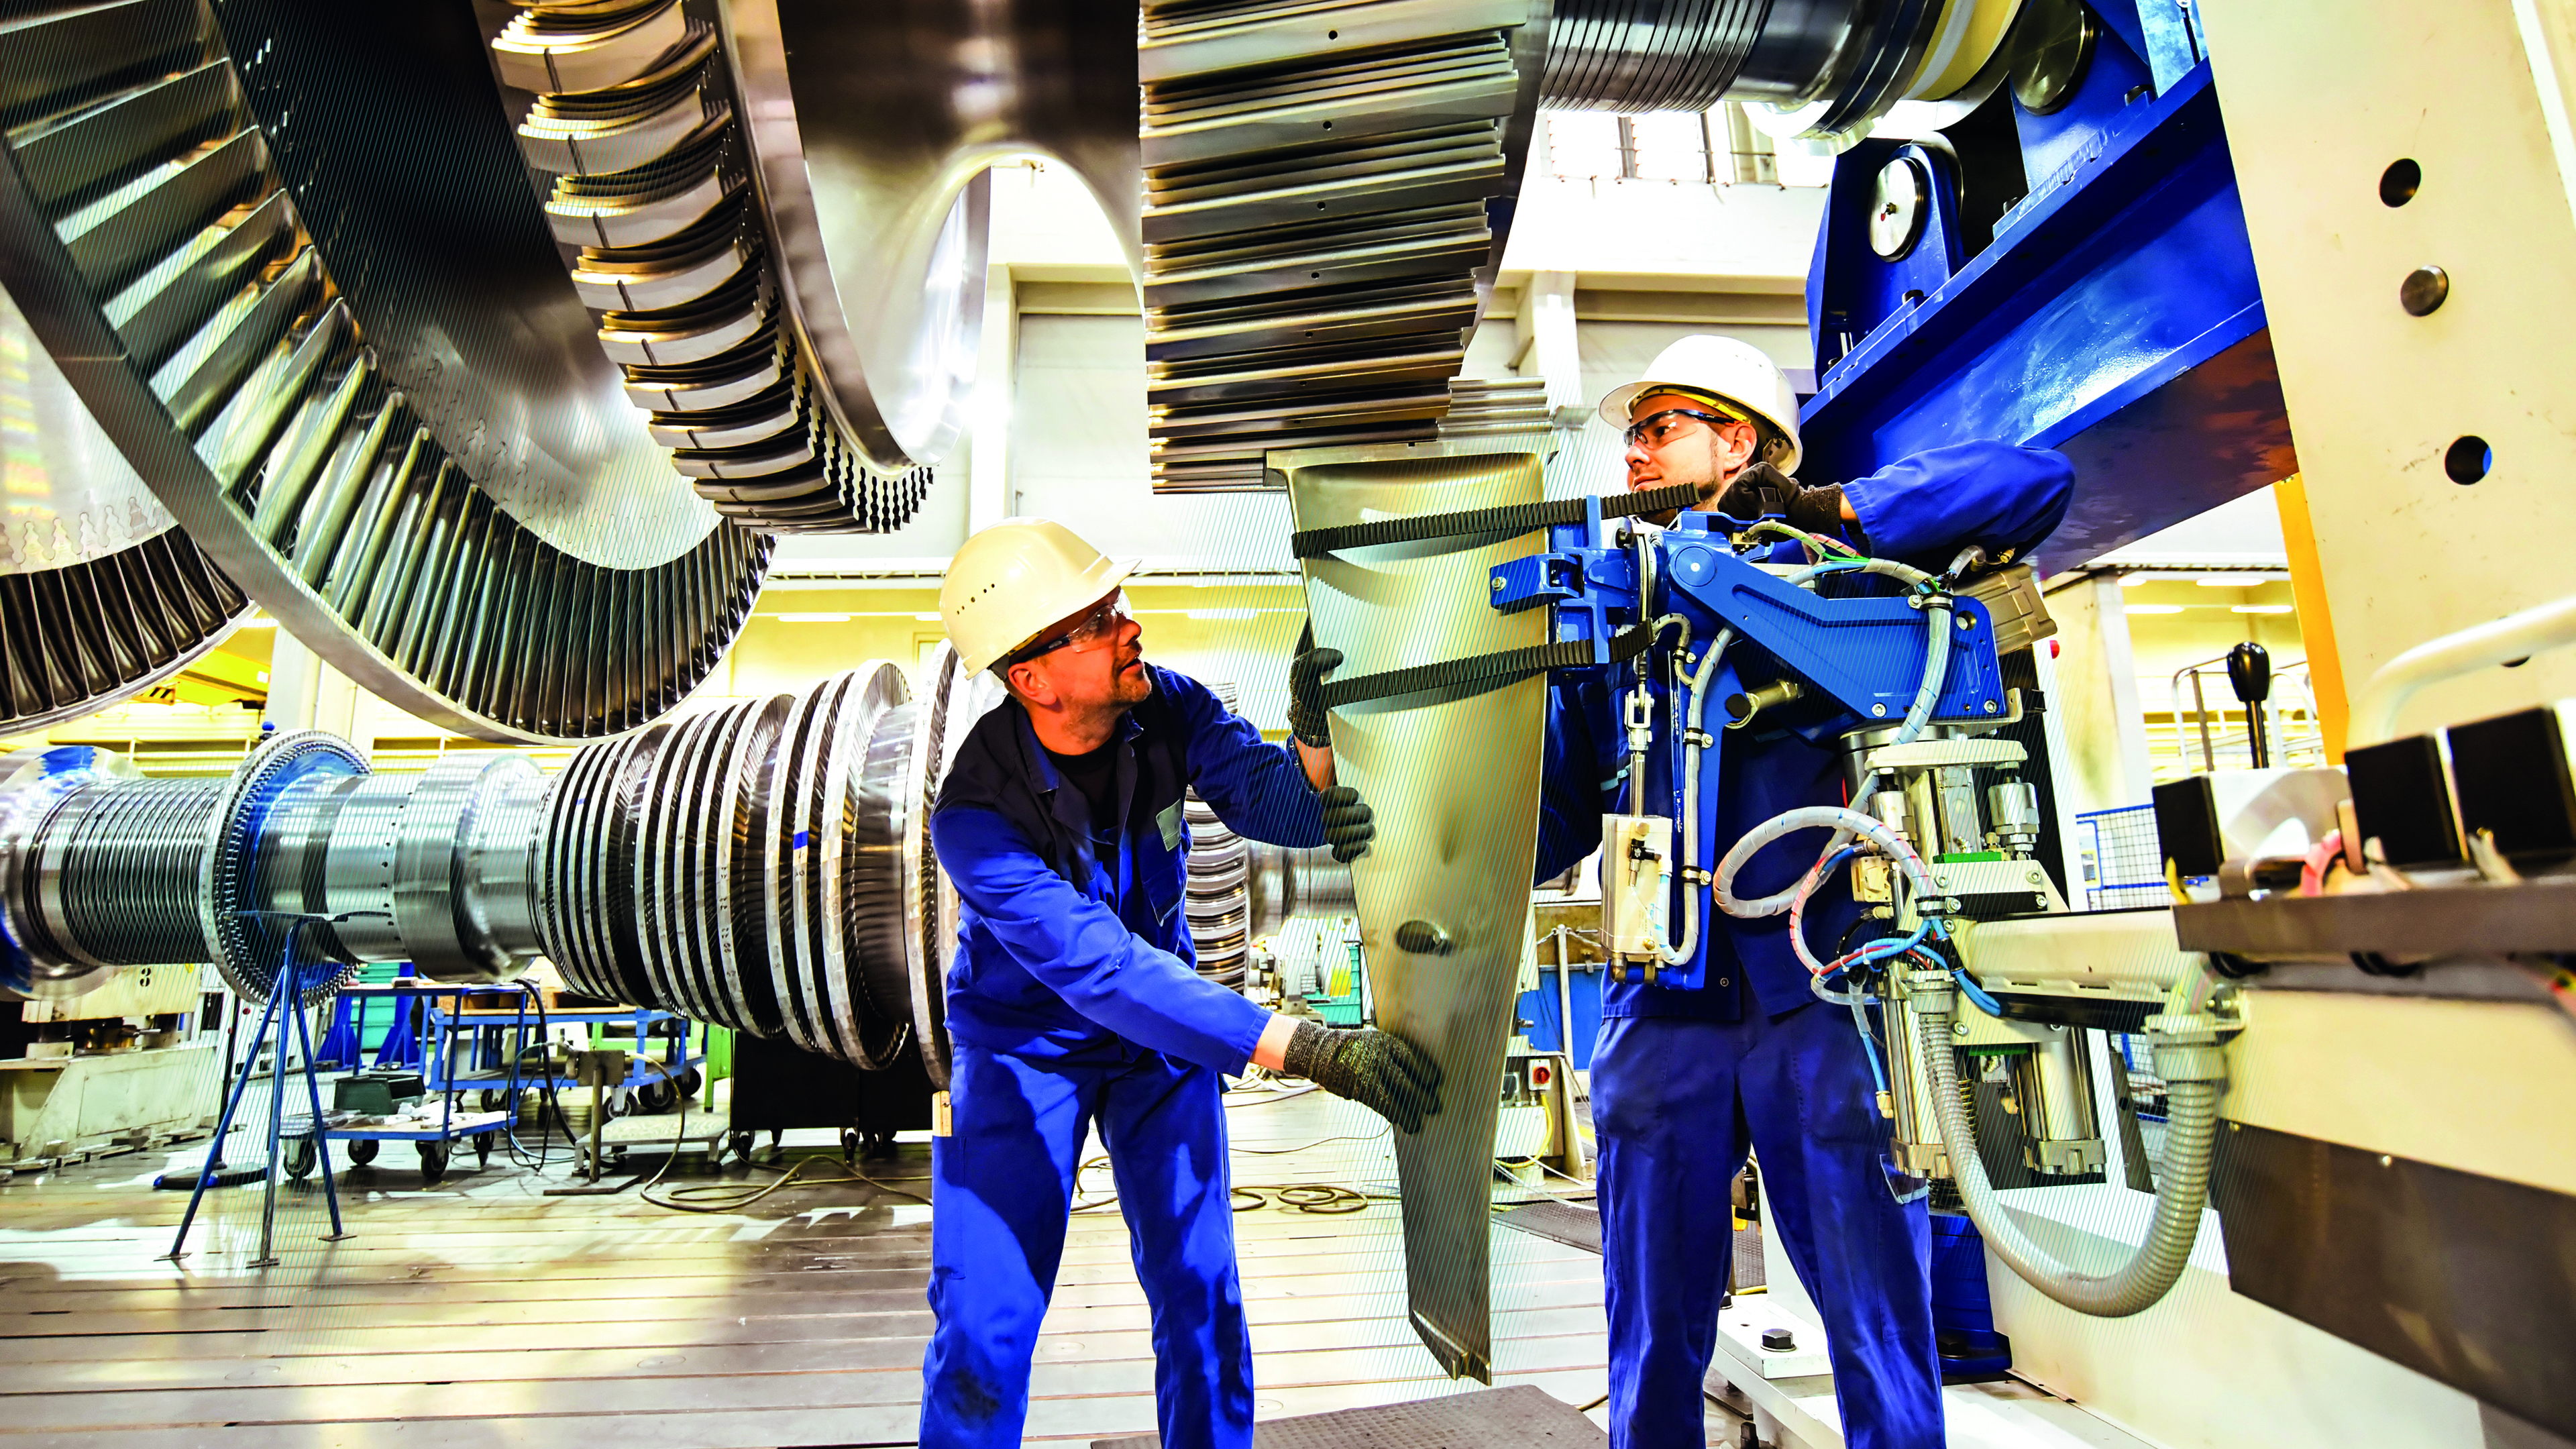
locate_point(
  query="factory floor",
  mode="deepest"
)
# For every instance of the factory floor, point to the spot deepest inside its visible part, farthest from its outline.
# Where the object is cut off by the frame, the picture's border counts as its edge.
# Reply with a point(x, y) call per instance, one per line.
point(480, 1311)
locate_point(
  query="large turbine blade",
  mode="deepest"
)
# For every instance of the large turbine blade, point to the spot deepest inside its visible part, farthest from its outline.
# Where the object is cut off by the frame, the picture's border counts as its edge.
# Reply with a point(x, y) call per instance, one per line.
point(1453, 776)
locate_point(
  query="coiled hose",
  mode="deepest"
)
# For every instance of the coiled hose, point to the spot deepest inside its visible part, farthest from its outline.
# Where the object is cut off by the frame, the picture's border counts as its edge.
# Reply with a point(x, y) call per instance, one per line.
point(2187, 1057)
point(1936, 671)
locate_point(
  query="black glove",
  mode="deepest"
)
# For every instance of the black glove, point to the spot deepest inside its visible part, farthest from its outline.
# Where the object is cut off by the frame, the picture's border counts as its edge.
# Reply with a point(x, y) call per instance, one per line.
point(1349, 825)
point(1379, 1070)
point(1307, 719)
point(1762, 490)
point(1759, 491)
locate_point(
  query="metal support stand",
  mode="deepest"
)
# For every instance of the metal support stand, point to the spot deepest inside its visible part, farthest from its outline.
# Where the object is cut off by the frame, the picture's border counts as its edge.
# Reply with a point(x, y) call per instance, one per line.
point(213, 1173)
point(285, 995)
point(599, 1069)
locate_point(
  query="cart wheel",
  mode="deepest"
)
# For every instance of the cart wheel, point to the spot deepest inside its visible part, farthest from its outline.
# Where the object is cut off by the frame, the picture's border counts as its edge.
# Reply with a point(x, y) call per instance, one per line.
point(433, 1163)
point(690, 1081)
point(740, 1142)
point(655, 1098)
point(492, 1099)
point(301, 1158)
point(362, 1150)
point(483, 1149)
point(850, 1146)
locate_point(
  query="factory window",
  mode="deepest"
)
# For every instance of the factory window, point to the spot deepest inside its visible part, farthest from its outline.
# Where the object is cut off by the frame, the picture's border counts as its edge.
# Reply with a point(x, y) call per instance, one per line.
point(1720, 146)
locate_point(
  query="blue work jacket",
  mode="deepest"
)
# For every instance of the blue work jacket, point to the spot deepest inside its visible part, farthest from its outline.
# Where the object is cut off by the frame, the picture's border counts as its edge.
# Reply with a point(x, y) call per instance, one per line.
point(1921, 510)
point(1072, 940)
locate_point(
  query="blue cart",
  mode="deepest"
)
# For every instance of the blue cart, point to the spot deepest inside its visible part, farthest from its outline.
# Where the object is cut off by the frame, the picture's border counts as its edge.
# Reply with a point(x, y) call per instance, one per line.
point(434, 1133)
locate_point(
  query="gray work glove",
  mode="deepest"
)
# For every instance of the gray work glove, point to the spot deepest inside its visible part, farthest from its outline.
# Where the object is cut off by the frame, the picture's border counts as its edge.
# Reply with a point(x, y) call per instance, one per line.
point(1379, 1070)
point(1308, 720)
point(1349, 825)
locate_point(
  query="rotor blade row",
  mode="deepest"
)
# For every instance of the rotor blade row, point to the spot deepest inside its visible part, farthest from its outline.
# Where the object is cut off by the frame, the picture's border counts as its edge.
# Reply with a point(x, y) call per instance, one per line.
point(744, 867)
point(1316, 221)
point(1219, 901)
point(76, 638)
point(133, 144)
point(634, 118)
point(81, 637)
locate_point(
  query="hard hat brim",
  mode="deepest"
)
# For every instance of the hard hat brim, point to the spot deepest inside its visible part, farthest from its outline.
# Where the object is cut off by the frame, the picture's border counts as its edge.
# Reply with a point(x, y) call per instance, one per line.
point(1092, 585)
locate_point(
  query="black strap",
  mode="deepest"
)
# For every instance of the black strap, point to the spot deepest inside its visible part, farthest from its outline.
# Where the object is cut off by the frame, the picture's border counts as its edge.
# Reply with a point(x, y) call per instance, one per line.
point(1520, 663)
point(1509, 518)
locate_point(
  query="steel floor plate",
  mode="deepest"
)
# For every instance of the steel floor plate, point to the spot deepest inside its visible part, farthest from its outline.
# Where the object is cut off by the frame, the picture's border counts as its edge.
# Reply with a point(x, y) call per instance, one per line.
point(1579, 1226)
point(1488, 1419)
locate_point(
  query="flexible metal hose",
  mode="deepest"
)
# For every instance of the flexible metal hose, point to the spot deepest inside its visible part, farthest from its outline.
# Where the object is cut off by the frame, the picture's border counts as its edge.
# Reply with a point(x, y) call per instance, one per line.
point(2186, 1046)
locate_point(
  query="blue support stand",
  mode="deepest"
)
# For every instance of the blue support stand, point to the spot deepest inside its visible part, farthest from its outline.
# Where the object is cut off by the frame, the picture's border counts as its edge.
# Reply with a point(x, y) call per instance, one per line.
point(286, 995)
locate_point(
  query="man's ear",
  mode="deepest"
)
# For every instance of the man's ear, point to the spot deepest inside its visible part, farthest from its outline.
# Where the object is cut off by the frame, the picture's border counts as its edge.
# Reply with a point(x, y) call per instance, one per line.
point(1741, 444)
point(1029, 684)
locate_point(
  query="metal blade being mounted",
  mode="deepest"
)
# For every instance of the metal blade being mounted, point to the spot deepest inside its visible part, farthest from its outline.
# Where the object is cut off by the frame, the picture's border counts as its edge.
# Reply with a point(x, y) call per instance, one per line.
point(1437, 721)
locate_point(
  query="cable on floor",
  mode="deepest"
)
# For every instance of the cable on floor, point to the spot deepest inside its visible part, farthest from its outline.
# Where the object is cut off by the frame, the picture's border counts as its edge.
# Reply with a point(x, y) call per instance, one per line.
point(727, 1197)
point(1306, 1197)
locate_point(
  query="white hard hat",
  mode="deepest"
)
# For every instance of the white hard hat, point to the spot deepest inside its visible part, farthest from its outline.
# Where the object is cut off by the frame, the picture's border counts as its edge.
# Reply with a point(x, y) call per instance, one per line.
point(1014, 579)
point(1726, 369)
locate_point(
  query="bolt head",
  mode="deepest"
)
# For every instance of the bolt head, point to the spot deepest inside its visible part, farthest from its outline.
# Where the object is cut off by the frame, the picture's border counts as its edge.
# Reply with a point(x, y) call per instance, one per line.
point(1990, 707)
point(1497, 585)
point(2424, 290)
point(1958, 1028)
point(1878, 711)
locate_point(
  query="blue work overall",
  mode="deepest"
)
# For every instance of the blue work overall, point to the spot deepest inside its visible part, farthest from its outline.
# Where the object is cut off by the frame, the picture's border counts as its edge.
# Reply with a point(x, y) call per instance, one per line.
point(1684, 1082)
point(1074, 999)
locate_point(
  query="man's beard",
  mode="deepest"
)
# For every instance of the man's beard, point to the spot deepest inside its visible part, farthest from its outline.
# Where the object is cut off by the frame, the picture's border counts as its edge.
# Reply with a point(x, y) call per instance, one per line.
point(1132, 691)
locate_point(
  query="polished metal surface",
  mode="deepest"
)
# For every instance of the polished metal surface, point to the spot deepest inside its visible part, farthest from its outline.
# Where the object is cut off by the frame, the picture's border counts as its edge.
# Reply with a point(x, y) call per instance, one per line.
point(956, 701)
point(457, 287)
point(759, 867)
point(1219, 899)
point(1897, 207)
point(1820, 69)
point(33, 783)
point(1443, 892)
point(281, 366)
point(763, 866)
point(1289, 885)
point(71, 497)
point(675, 177)
point(2050, 53)
point(101, 596)
point(1327, 194)
point(871, 127)
point(1688, 55)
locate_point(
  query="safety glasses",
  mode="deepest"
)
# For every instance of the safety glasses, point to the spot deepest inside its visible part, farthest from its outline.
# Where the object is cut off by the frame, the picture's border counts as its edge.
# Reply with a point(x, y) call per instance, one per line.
point(1656, 429)
point(1087, 632)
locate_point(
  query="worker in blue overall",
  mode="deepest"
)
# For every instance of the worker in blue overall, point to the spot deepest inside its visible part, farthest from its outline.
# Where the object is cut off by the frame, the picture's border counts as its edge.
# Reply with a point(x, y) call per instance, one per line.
point(1684, 1082)
point(1074, 997)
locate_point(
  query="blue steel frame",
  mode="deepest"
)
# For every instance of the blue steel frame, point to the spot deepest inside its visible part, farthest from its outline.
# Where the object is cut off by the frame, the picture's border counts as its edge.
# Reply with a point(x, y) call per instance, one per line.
point(2115, 316)
point(1867, 653)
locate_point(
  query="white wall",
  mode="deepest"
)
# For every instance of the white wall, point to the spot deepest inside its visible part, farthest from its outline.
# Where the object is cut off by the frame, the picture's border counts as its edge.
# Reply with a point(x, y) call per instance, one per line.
point(1078, 455)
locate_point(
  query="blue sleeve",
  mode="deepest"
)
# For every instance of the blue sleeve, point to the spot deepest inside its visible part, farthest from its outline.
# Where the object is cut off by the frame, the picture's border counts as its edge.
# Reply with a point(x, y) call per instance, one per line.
point(1079, 949)
point(1257, 788)
point(1575, 778)
point(1925, 508)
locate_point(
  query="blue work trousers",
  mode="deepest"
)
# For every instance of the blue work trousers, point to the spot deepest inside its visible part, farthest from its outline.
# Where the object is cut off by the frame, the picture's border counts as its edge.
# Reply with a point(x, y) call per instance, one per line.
point(1002, 1186)
point(1676, 1102)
